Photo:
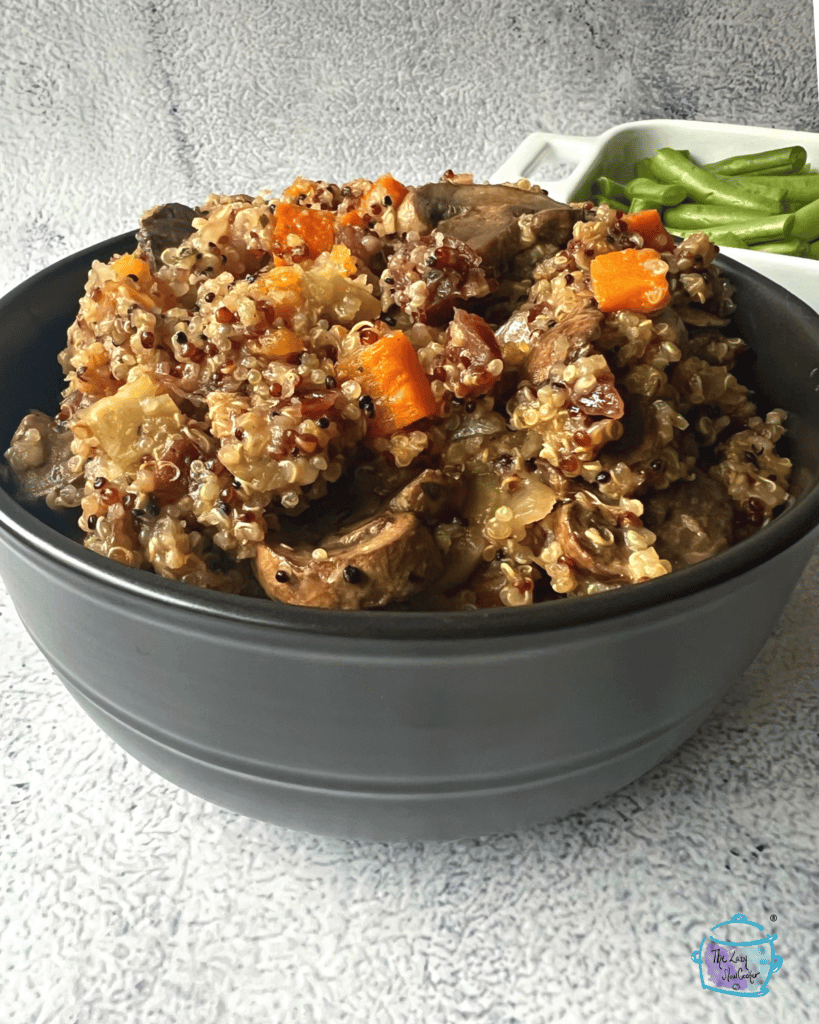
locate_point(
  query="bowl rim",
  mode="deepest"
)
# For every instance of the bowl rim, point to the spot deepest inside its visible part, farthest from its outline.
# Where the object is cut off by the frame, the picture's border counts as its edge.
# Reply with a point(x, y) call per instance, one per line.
point(28, 533)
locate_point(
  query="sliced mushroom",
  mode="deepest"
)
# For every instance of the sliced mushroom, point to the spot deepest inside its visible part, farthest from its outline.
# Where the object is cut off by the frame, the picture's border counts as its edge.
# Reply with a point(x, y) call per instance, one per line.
point(164, 227)
point(38, 455)
point(563, 343)
point(594, 534)
point(496, 221)
point(432, 495)
point(693, 520)
point(384, 559)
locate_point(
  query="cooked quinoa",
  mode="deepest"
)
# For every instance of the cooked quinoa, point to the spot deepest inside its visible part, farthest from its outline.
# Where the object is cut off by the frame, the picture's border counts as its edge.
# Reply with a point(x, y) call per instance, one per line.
point(370, 395)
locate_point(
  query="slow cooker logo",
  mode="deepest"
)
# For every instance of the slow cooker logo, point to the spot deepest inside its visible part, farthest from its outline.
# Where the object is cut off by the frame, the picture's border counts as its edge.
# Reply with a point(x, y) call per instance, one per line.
point(737, 958)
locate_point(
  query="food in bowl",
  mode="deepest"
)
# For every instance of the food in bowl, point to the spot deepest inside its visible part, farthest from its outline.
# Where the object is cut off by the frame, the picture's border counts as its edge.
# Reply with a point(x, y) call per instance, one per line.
point(449, 396)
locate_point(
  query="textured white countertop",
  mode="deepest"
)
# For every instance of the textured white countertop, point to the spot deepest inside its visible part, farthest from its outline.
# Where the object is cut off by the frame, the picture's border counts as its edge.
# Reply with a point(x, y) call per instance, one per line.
point(124, 900)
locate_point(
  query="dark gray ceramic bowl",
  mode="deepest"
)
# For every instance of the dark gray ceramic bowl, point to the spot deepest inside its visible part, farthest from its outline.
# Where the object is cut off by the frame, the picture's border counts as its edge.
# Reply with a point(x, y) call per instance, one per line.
point(400, 726)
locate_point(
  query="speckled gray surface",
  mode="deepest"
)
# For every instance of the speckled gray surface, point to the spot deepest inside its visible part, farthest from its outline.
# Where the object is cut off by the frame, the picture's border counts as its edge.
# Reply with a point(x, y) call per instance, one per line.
point(125, 901)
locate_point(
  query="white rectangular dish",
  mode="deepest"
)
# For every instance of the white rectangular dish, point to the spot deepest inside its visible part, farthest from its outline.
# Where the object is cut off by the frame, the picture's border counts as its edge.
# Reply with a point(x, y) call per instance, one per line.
point(615, 151)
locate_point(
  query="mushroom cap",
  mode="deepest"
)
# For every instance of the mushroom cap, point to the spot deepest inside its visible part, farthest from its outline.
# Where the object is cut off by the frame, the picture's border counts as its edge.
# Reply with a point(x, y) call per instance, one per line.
point(382, 560)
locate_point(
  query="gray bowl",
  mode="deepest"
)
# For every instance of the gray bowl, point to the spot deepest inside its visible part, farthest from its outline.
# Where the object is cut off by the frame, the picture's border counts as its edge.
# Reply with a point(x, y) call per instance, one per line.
point(400, 725)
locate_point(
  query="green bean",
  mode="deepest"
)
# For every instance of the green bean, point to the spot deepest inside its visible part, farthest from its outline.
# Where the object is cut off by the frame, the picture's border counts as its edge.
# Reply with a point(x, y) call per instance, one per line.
point(760, 229)
point(779, 171)
point(806, 221)
point(787, 247)
point(798, 187)
point(720, 238)
point(637, 205)
point(704, 187)
point(792, 158)
point(727, 238)
point(642, 169)
point(699, 213)
point(658, 193)
point(615, 204)
point(813, 250)
point(610, 187)
point(770, 187)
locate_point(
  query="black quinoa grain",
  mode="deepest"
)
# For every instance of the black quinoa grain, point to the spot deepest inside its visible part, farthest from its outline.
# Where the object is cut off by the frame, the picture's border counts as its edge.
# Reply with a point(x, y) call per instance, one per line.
point(470, 406)
point(282, 577)
point(330, 383)
point(210, 297)
point(99, 483)
point(603, 476)
point(133, 277)
point(92, 522)
point(352, 574)
point(324, 423)
point(656, 465)
point(224, 507)
point(367, 405)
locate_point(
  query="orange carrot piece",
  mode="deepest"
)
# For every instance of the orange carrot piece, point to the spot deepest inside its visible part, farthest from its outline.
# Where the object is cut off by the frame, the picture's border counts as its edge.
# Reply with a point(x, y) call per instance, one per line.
point(277, 344)
point(393, 377)
point(282, 289)
point(132, 266)
point(384, 186)
point(314, 227)
point(649, 225)
point(630, 279)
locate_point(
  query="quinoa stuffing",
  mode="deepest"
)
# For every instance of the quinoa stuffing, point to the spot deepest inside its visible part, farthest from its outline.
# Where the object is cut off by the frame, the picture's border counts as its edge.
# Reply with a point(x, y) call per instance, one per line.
point(375, 395)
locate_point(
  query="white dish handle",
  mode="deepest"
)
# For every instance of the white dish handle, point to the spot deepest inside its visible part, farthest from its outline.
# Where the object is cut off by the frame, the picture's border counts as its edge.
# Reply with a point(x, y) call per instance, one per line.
point(541, 146)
